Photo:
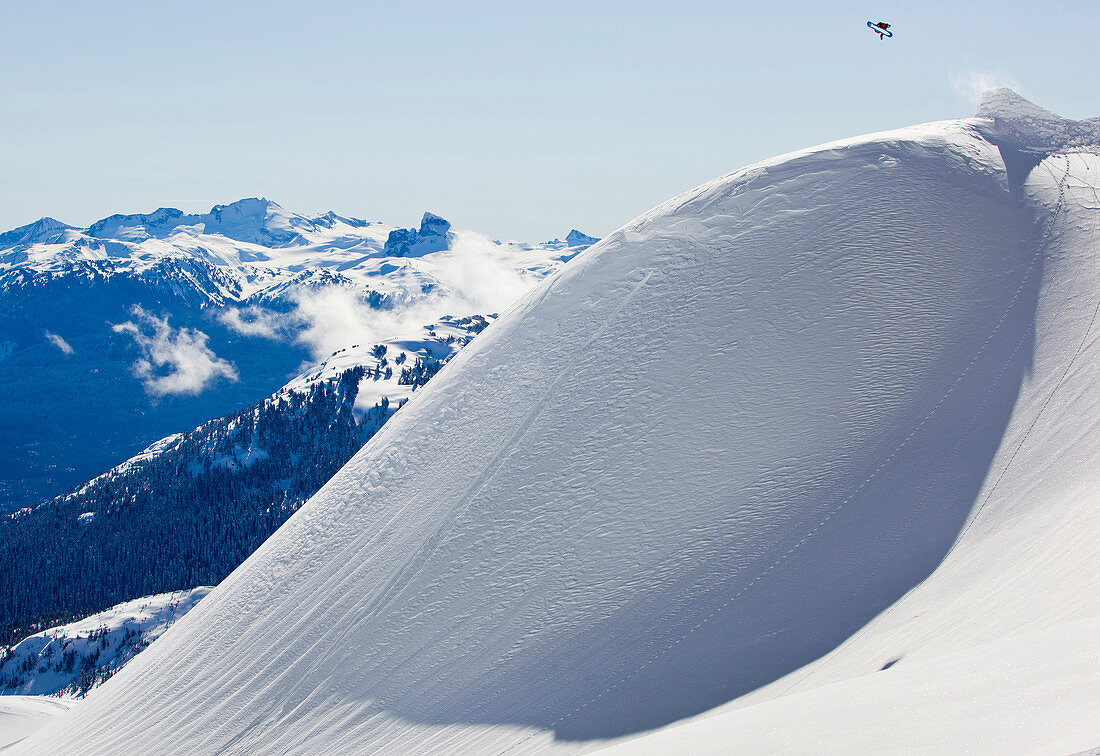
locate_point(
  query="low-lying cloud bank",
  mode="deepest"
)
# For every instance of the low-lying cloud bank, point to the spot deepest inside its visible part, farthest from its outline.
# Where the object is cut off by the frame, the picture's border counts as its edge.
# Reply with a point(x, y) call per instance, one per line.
point(469, 278)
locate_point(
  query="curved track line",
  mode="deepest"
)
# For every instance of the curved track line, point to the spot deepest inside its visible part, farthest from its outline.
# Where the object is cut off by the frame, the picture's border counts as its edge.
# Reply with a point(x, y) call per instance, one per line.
point(974, 516)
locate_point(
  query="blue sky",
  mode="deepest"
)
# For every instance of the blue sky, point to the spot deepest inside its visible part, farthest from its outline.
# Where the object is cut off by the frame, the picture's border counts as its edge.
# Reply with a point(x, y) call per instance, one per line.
point(520, 120)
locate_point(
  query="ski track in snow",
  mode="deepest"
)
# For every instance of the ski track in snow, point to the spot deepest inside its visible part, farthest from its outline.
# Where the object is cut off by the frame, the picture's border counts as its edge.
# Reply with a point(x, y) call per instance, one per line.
point(1041, 249)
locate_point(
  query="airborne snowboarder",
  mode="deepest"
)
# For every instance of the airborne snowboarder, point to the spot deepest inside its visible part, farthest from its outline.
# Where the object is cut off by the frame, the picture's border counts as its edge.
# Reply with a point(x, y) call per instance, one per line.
point(881, 28)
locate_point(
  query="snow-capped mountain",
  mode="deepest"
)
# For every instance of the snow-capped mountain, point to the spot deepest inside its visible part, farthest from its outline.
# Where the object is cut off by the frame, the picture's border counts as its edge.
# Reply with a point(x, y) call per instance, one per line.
point(256, 244)
point(42, 230)
point(254, 221)
point(816, 443)
point(138, 326)
point(74, 658)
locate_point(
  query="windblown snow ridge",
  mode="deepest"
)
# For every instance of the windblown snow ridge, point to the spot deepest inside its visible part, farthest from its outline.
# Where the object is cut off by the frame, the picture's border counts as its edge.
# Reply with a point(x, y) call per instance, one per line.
point(1029, 126)
point(696, 462)
point(1026, 133)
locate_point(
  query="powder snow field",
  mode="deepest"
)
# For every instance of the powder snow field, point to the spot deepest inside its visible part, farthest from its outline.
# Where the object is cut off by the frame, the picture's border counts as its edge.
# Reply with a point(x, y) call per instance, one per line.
point(807, 456)
point(22, 715)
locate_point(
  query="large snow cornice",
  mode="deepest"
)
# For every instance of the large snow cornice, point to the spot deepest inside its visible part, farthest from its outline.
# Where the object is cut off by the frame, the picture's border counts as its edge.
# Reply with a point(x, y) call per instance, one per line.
point(711, 449)
point(1029, 126)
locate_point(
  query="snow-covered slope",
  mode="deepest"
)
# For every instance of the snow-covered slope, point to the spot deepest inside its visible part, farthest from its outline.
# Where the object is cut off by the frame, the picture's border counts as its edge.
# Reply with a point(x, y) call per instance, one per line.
point(201, 502)
point(997, 651)
point(708, 458)
point(22, 715)
point(76, 657)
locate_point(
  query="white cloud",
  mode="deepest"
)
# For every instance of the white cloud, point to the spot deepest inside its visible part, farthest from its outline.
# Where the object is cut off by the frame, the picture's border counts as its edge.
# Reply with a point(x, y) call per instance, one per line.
point(174, 361)
point(472, 277)
point(478, 278)
point(335, 317)
point(251, 321)
point(973, 84)
point(325, 320)
point(59, 342)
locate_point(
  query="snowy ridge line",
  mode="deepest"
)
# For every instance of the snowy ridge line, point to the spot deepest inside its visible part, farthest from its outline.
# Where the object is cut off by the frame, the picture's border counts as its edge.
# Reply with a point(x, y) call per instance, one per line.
point(809, 534)
point(73, 658)
point(1047, 230)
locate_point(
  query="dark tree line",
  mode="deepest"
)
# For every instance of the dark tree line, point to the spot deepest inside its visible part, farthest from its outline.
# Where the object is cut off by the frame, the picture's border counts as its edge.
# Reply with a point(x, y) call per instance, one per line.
point(185, 517)
point(420, 372)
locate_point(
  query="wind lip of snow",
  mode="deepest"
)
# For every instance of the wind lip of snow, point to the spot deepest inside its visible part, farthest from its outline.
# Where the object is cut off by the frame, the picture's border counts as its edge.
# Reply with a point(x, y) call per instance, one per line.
point(1024, 124)
point(944, 135)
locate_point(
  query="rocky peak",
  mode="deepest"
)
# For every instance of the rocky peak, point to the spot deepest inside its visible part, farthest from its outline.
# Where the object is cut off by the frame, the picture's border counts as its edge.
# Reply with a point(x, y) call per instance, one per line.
point(434, 235)
point(576, 239)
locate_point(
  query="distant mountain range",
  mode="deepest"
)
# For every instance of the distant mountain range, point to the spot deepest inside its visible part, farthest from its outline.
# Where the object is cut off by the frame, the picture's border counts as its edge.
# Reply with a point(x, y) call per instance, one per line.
point(142, 325)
